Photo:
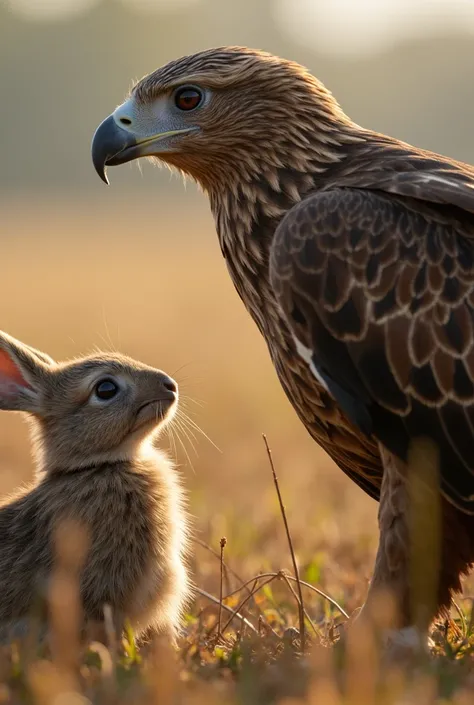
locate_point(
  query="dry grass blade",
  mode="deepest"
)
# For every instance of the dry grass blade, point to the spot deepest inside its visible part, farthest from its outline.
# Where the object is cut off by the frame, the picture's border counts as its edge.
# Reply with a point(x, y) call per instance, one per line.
point(310, 621)
point(71, 545)
point(227, 569)
point(425, 525)
point(249, 597)
point(225, 607)
point(281, 573)
point(462, 618)
point(219, 623)
point(320, 592)
point(470, 624)
point(290, 543)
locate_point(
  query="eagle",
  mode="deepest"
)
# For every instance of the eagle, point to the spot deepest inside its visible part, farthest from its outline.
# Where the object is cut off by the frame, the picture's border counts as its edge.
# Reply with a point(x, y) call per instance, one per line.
point(353, 252)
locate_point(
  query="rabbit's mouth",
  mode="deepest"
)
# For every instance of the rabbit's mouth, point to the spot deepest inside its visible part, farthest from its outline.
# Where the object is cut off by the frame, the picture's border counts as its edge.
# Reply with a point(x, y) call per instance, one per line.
point(155, 412)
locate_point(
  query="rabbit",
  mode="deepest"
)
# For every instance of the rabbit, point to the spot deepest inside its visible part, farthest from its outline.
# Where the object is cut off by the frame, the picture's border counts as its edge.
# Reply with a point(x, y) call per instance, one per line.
point(94, 421)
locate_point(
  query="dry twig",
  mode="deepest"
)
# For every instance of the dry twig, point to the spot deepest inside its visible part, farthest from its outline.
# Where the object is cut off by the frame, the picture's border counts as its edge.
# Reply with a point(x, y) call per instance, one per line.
point(290, 543)
point(219, 622)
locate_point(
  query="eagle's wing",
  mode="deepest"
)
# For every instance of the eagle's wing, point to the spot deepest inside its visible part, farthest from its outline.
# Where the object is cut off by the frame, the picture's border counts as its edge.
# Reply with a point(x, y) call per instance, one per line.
point(383, 164)
point(380, 301)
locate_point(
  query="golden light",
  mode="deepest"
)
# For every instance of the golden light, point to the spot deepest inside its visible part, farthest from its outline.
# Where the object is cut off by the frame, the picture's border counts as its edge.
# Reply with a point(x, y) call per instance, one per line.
point(47, 10)
point(368, 26)
point(158, 6)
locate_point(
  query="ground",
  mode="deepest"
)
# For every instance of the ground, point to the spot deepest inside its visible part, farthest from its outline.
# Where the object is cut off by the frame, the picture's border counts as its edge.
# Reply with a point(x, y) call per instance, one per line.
point(158, 290)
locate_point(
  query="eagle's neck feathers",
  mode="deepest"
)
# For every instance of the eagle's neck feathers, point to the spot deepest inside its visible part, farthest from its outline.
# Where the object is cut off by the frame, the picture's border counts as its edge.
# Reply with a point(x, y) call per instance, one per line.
point(248, 208)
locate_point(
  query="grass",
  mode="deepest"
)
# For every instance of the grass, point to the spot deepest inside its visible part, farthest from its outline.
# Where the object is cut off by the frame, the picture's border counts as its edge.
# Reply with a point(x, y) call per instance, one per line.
point(71, 280)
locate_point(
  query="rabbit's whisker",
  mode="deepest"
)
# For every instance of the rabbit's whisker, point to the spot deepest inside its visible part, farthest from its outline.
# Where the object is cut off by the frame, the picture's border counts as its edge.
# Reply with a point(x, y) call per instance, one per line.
point(178, 428)
point(191, 424)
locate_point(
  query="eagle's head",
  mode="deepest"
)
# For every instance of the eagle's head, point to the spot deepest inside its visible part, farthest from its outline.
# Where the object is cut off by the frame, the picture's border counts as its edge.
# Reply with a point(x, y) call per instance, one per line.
point(223, 112)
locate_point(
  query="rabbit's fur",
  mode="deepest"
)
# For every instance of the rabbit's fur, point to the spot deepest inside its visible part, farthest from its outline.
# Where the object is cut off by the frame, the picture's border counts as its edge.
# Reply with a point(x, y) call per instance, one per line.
point(96, 464)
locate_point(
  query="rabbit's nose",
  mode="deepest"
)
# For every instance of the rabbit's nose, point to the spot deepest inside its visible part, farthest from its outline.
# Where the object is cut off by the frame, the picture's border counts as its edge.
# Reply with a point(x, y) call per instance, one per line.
point(169, 384)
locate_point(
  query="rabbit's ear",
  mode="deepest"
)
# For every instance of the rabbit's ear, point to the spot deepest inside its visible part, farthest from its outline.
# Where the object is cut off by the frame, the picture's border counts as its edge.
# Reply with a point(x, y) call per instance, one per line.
point(40, 355)
point(22, 375)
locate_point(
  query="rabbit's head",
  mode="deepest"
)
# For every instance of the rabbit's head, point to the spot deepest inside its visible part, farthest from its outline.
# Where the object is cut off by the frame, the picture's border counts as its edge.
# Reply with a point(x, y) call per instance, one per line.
point(94, 409)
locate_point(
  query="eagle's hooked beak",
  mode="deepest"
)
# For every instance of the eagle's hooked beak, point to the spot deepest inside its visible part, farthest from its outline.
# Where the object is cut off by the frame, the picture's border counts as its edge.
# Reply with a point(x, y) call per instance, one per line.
point(112, 145)
point(125, 135)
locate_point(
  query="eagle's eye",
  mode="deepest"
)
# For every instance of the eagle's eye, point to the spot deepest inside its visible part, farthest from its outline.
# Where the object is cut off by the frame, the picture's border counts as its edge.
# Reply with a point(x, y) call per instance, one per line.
point(187, 98)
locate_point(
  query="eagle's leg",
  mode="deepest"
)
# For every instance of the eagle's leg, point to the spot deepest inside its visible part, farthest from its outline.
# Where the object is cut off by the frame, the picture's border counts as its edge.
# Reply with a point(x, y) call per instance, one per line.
point(390, 578)
point(424, 548)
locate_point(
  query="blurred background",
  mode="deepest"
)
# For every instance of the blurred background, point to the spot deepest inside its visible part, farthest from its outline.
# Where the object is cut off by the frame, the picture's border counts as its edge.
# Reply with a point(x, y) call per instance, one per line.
point(137, 267)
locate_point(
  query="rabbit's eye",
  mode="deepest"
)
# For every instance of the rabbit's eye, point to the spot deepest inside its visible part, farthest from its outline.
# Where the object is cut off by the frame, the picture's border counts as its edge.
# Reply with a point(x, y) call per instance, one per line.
point(106, 389)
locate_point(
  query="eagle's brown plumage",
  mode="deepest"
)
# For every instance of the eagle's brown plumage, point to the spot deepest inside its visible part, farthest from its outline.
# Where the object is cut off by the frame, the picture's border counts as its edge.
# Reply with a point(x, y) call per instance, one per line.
point(353, 253)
